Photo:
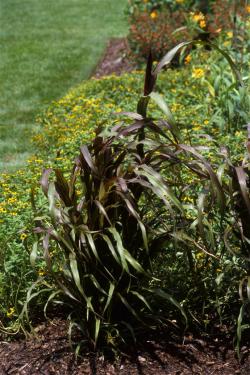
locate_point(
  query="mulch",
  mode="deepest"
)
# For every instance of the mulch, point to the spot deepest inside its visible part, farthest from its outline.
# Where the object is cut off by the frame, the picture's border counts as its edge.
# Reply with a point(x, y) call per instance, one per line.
point(115, 60)
point(49, 352)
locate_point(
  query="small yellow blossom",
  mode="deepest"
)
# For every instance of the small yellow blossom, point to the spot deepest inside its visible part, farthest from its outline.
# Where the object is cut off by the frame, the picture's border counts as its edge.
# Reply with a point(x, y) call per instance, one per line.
point(41, 273)
point(188, 58)
point(153, 15)
point(248, 8)
point(200, 255)
point(206, 122)
point(179, 1)
point(10, 312)
point(230, 34)
point(23, 236)
point(197, 17)
point(202, 24)
point(198, 73)
point(12, 200)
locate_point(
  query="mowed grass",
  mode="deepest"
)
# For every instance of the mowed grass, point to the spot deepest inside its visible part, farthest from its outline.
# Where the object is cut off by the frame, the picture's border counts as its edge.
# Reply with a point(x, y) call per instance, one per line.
point(46, 47)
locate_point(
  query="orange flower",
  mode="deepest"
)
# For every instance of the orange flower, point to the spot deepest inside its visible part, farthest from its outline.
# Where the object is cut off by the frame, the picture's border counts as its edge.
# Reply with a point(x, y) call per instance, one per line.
point(188, 58)
point(203, 24)
point(153, 15)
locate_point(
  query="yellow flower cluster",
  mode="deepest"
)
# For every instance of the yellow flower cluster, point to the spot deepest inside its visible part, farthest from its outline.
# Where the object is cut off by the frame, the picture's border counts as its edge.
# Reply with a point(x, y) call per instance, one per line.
point(10, 202)
point(199, 18)
point(198, 73)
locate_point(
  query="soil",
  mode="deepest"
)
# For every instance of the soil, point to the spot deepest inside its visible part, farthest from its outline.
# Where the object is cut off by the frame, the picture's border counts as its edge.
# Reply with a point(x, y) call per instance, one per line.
point(49, 352)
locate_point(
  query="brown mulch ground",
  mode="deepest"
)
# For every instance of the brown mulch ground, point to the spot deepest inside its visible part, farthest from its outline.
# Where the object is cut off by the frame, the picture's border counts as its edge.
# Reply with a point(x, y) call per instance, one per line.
point(49, 353)
point(115, 59)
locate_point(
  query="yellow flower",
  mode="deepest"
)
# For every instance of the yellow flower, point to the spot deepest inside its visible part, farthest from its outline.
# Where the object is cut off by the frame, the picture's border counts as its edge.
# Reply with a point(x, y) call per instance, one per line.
point(188, 58)
point(179, 1)
point(248, 8)
point(153, 15)
point(198, 16)
point(230, 34)
point(10, 312)
point(202, 24)
point(41, 272)
point(198, 73)
point(200, 255)
point(23, 236)
point(206, 122)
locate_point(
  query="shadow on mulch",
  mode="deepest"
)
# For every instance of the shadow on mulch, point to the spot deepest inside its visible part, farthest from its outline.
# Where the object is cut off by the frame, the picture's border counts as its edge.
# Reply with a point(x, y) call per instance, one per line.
point(50, 353)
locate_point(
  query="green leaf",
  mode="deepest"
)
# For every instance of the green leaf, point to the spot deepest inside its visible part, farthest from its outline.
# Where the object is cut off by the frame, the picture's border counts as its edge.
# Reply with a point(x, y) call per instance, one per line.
point(129, 307)
point(120, 247)
point(110, 295)
point(166, 60)
point(162, 294)
point(142, 298)
point(33, 254)
point(158, 99)
point(213, 176)
point(75, 273)
point(159, 186)
point(97, 329)
point(111, 247)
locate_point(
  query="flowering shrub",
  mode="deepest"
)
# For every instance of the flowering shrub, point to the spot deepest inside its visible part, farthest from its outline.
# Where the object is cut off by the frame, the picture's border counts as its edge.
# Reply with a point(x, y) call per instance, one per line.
point(223, 13)
point(172, 5)
point(155, 31)
point(159, 26)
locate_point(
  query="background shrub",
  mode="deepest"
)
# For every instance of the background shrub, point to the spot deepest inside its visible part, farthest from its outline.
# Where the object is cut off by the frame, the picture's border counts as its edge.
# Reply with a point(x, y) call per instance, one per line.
point(159, 26)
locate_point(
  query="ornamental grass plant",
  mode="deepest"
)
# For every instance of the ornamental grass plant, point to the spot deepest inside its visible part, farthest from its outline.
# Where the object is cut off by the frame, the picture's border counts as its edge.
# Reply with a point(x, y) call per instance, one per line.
point(145, 228)
point(124, 209)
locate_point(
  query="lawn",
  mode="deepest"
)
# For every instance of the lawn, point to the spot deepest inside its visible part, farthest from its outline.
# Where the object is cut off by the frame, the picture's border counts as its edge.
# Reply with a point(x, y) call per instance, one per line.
point(46, 48)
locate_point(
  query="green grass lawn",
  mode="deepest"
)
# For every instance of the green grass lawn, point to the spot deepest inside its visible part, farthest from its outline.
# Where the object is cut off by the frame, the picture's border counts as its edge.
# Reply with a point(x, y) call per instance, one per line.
point(46, 47)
